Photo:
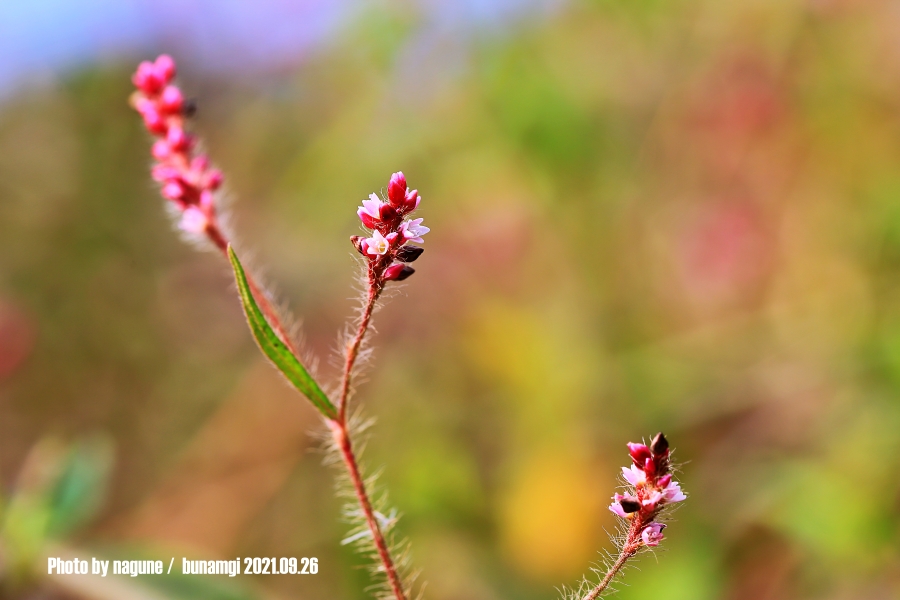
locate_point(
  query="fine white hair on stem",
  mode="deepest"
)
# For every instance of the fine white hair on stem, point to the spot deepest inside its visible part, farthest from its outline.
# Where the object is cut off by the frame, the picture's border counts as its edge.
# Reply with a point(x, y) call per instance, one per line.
point(359, 535)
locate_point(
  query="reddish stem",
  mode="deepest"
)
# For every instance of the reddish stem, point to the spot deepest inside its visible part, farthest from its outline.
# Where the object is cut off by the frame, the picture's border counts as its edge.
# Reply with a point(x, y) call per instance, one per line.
point(374, 290)
point(342, 438)
point(629, 548)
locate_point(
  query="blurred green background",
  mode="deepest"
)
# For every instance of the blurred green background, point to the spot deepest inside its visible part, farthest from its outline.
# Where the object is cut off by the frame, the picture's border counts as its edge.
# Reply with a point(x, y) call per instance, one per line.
point(646, 215)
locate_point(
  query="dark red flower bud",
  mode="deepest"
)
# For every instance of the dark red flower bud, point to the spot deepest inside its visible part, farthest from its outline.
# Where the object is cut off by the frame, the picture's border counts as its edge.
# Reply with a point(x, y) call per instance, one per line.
point(411, 201)
point(189, 107)
point(397, 189)
point(629, 506)
point(409, 254)
point(357, 241)
point(664, 481)
point(639, 453)
point(367, 219)
point(398, 272)
point(659, 445)
point(388, 213)
point(649, 467)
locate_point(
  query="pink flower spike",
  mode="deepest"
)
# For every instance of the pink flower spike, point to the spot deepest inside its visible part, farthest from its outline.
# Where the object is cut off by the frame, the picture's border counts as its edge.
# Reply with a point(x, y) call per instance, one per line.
point(634, 476)
point(397, 189)
point(193, 220)
point(653, 534)
point(414, 230)
point(377, 244)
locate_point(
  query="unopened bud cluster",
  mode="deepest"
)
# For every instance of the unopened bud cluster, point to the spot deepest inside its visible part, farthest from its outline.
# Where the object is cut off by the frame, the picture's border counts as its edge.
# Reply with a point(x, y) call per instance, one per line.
point(387, 250)
point(186, 178)
point(650, 489)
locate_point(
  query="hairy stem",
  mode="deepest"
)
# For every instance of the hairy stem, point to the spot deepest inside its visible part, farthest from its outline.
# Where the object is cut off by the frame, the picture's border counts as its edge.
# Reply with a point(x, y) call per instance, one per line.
point(338, 426)
point(374, 290)
point(629, 548)
point(342, 439)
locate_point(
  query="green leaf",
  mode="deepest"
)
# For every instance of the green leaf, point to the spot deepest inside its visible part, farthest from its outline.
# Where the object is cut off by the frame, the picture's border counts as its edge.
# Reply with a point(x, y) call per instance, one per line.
point(276, 350)
point(81, 488)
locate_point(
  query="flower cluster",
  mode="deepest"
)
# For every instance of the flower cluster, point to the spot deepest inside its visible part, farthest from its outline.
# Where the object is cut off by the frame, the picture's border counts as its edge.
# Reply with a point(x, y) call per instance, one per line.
point(651, 488)
point(387, 250)
point(186, 178)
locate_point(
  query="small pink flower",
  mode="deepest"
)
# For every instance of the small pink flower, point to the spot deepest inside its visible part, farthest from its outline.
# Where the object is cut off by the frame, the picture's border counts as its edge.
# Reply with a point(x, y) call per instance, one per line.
point(653, 534)
point(379, 244)
point(370, 211)
point(154, 121)
point(673, 493)
point(652, 500)
point(161, 150)
point(146, 78)
point(207, 200)
point(634, 476)
point(178, 140)
point(414, 230)
point(623, 506)
point(164, 66)
point(171, 99)
point(617, 510)
point(173, 190)
point(163, 173)
point(193, 220)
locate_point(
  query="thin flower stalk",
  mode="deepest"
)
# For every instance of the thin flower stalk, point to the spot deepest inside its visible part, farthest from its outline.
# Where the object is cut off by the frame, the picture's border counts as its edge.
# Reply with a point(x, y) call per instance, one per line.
point(190, 184)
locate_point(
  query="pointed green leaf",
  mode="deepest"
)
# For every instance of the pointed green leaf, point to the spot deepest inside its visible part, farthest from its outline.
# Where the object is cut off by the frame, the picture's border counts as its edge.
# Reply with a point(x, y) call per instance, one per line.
point(272, 346)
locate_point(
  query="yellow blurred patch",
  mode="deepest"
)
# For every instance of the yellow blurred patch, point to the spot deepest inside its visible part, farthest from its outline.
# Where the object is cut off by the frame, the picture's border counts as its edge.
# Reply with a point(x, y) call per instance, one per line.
point(549, 520)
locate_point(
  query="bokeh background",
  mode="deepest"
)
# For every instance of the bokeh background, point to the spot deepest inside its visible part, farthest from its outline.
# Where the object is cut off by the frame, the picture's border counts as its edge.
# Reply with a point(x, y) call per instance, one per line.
point(646, 215)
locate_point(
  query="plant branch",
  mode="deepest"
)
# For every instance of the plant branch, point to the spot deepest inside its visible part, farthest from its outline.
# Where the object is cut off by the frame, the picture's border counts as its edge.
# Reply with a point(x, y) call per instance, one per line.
point(374, 290)
point(629, 549)
point(342, 440)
